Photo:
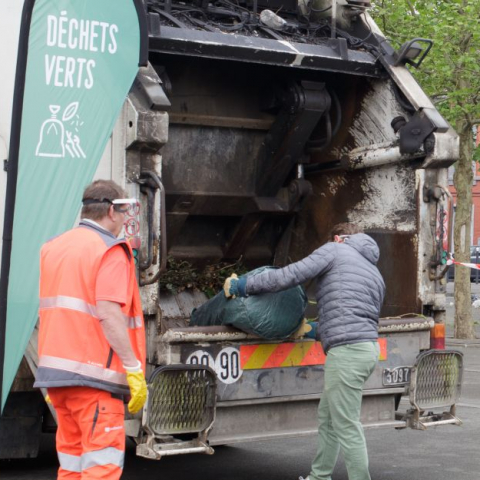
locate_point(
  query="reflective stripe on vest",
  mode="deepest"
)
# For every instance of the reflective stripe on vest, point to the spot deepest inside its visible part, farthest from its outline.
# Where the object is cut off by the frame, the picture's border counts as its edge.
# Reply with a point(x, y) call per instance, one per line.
point(79, 305)
point(86, 369)
point(134, 322)
point(70, 303)
point(98, 458)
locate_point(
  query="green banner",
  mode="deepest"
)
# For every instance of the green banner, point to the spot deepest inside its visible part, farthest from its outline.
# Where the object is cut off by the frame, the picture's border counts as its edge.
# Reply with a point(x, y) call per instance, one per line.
point(82, 59)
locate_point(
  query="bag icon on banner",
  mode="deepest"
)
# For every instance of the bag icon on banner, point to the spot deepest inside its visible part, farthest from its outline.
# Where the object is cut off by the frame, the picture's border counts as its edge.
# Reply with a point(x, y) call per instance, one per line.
point(53, 132)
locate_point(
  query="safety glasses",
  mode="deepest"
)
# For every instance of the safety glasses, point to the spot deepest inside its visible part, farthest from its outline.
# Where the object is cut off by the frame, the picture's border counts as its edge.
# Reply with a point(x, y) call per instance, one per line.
point(123, 201)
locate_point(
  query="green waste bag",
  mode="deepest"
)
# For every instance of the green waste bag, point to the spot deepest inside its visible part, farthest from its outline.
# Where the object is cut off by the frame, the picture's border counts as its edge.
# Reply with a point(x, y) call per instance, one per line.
point(273, 316)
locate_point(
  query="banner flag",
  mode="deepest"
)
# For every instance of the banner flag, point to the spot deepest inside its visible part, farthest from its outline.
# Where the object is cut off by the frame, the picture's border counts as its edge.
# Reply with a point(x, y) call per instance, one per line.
point(76, 64)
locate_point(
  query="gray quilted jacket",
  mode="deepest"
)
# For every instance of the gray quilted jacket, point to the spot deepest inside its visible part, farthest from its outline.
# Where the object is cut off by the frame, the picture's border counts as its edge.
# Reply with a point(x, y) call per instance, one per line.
point(349, 290)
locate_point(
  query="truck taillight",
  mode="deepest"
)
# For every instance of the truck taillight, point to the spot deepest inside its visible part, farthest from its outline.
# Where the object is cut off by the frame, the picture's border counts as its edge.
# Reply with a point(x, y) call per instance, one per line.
point(437, 336)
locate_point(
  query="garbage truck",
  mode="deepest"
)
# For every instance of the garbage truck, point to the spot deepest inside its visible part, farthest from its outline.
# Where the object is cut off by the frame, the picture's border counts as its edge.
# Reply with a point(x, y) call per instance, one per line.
point(252, 128)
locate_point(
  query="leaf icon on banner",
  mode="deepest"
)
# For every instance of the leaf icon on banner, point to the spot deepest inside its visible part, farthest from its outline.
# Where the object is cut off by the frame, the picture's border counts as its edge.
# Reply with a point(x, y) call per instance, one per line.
point(70, 111)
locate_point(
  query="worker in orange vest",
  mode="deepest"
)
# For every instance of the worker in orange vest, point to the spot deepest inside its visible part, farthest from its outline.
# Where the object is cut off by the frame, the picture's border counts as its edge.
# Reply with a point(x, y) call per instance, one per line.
point(92, 337)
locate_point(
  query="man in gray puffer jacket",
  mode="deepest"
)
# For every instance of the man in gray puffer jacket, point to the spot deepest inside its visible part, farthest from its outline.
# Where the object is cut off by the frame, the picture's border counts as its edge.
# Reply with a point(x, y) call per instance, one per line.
point(349, 294)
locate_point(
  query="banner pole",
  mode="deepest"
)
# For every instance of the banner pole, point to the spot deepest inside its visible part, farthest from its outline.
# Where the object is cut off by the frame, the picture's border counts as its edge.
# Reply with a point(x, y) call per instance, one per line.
point(12, 173)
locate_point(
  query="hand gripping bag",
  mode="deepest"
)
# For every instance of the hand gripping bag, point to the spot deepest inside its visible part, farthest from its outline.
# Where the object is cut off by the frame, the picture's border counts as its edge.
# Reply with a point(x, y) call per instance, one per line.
point(272, 316)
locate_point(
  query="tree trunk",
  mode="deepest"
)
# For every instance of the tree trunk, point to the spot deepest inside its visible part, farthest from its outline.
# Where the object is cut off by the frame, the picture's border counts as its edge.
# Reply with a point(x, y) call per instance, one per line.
point(463, 179)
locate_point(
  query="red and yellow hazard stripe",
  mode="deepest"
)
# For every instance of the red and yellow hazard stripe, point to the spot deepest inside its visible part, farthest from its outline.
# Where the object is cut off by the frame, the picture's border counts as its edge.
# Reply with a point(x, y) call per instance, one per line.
point(289, 354)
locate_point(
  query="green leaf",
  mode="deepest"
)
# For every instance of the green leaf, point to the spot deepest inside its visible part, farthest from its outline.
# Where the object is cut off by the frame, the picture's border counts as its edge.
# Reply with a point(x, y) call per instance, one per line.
point(476, 154)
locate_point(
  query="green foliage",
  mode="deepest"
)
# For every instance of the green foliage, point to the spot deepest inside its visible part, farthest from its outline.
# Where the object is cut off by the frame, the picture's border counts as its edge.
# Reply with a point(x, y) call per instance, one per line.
point(476, 154)
point(182, 275)
point(450, 73)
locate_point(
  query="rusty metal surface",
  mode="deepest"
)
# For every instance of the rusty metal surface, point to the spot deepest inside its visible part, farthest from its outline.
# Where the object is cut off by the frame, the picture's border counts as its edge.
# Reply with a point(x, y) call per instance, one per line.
point(205, 334)
point(398, 264)
point(334, 194)
point(214, 161)
point(383, 203)
point(220, 121)
point(222, 334)
point(410, 324)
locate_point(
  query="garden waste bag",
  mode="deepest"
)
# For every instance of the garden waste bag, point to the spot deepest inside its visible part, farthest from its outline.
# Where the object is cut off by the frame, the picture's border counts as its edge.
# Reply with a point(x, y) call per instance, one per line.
point(273, 316)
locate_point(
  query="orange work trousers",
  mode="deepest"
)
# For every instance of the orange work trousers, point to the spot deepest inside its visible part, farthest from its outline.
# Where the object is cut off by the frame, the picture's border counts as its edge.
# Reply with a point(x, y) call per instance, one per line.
point(90, 434)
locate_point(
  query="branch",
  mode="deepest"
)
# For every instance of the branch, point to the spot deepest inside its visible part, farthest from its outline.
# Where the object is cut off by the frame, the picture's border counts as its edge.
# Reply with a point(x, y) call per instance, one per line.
point(466, 124)
point(449, 60)
point(465, 42)
point(468, 119)
point(439, 97)
point(410, 6)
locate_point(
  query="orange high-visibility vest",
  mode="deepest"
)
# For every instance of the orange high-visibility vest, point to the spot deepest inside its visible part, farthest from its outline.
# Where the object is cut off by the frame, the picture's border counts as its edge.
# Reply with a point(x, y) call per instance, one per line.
point(73, 350)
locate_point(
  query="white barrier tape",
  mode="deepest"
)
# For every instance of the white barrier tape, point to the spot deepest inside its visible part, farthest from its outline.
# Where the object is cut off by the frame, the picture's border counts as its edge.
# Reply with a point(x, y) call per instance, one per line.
point(475, 266)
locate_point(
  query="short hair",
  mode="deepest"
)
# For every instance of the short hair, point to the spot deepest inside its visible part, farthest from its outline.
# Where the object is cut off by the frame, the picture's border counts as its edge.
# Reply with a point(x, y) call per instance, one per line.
point(103, 191)
point(345, 228)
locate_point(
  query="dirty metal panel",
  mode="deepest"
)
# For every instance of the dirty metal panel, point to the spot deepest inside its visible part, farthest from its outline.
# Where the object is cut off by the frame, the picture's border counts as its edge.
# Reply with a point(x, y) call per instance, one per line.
point(398, 265)
point(217, 333)
point(179, 307)
point(388, 194)
point(368, 107)
point(389, 200)
point(378, 107)
point(237, 383)
point(215, 160)
point(21, 425)
point(383, 202)
point(24, 378)
point(269, 421)
point(405, 324)
point(19, 437)
point(259, 50)
point(234, 383)
point(380, 199)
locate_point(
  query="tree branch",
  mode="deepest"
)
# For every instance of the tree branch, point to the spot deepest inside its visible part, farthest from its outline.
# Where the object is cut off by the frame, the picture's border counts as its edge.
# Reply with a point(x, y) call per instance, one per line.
point(410, 7)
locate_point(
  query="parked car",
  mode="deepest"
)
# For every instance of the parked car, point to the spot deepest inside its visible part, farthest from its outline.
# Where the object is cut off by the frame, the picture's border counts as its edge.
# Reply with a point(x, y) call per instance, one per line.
point(474, 258)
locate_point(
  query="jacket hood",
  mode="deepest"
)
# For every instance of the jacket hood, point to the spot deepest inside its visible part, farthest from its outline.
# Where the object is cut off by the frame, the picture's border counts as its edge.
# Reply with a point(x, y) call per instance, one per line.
point(365, 245)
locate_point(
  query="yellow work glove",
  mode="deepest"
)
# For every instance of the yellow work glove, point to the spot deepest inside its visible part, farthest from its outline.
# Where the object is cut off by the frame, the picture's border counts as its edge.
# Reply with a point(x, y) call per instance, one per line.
point(138, 390)
point(47, 399)
point(302, 330)
point(227, 286)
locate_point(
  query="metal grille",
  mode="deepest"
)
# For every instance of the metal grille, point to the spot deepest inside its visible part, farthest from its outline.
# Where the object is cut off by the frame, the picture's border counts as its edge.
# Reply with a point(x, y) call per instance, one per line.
point(436, 379)
point(181, 399)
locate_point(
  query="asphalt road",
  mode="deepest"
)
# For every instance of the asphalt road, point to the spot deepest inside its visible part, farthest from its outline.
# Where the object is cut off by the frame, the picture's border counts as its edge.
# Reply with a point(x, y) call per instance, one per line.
point(441, 453)
point(446, 453)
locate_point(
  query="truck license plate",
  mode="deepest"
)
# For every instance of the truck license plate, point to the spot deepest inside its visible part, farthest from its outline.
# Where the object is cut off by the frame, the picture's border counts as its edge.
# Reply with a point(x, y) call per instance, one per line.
point(396, 376)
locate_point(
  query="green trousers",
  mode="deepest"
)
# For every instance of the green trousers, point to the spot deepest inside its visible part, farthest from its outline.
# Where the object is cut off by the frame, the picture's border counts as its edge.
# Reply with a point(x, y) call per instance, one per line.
point(346, 370)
